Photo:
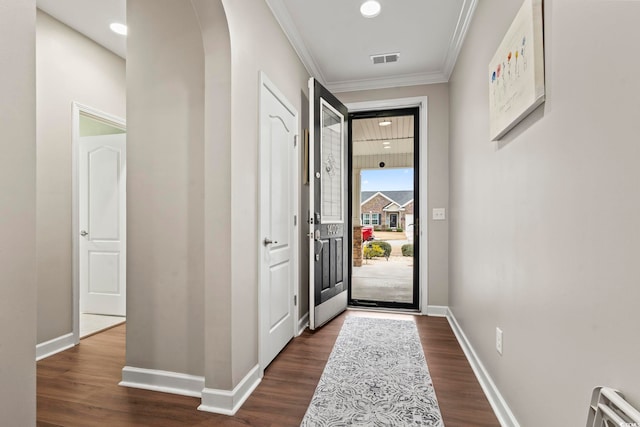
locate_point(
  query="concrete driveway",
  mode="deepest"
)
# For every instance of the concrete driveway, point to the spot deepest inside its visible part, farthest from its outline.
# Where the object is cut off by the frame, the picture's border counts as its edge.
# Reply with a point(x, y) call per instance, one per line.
point(382, 280)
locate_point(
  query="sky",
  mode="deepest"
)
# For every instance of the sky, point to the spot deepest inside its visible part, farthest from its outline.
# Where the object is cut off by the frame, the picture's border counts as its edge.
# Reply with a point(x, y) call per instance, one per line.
point(386, 179)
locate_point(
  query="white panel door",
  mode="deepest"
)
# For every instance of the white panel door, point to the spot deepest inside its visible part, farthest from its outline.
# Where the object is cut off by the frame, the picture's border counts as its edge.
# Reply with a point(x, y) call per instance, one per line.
point(102, 220)
point(278, 125)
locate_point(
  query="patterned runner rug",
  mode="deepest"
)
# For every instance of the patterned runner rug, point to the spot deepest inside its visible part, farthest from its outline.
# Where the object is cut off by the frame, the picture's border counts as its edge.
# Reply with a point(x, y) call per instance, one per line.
point(376, 376)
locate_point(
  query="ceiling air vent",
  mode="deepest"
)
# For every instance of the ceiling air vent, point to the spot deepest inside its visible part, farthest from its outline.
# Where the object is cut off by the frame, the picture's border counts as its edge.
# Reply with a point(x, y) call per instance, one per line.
point(385, 58)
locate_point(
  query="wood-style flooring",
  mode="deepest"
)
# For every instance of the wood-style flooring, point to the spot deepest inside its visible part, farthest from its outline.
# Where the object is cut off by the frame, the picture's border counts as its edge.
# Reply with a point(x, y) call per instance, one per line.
point(79, 387)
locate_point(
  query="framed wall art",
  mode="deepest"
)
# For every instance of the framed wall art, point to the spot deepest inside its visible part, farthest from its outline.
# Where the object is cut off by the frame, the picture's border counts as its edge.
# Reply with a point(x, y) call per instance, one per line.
point(516, 72)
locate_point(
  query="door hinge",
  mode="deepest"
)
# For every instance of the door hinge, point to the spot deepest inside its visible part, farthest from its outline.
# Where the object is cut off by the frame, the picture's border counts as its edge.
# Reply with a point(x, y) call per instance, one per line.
point(295, 220)
point(295, 140)
point(295, 300)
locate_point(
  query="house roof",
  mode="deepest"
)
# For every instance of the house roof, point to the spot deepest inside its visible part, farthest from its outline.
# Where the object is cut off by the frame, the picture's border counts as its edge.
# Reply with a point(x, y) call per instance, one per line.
point(393, 207)
point(401, 198)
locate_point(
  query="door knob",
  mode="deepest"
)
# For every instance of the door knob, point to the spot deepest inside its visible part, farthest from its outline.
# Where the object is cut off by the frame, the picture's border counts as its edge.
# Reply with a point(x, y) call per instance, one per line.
point(83, 233)
point(268, 241)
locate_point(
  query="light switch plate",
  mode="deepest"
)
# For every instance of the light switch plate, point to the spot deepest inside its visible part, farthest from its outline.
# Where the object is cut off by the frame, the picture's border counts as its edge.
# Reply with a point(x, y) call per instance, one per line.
point(499, 341)
point(439, 214)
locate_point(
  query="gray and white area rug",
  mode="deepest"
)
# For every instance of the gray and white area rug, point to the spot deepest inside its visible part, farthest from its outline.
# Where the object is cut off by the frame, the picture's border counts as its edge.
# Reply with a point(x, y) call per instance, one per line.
point(376, 376)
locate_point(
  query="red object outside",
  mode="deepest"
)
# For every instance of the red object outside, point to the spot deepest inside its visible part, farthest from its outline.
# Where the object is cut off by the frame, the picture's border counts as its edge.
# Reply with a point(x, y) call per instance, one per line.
point(367, 234)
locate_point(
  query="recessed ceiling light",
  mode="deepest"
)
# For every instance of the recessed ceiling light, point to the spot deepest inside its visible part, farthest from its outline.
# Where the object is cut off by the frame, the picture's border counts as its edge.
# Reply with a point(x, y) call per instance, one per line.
point(118, 28)
point(387, 146)
point(386, 143)
point(384, 123)
point(370, 9)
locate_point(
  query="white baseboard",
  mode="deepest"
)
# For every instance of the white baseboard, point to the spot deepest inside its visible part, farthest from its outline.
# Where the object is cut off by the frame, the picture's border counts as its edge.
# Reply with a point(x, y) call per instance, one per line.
point(499, 405)
point(228, 402)
point(163, 381)
point(54, 346)
point(437, 310)
point(303, 323)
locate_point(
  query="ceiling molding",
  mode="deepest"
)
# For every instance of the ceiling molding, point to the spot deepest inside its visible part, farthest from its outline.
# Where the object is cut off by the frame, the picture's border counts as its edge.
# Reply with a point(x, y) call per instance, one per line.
point(464, 21)
point(386, 82)
point(281, 13)
point(290, 30)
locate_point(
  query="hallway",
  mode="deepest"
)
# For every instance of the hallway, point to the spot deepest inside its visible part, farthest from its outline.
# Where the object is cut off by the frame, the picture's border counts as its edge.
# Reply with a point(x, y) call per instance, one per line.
point(78, 387)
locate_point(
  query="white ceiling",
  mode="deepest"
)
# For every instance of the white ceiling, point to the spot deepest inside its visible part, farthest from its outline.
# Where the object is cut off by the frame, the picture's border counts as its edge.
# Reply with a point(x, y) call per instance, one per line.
point(369, 137)
point(335, 42)
point(331, 37)
point(91, 18)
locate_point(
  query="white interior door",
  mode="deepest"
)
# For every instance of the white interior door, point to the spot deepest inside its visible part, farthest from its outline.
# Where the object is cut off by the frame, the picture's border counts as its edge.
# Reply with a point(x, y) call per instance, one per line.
point(278, 204)
point(102, 221)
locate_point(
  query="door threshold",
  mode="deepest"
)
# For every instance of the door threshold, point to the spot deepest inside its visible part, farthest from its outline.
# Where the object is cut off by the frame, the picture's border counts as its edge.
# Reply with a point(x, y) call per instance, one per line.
point(383, 309)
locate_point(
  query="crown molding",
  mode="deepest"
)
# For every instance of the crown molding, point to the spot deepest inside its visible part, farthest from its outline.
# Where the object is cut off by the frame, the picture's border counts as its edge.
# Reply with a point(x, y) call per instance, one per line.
point(386, 82)
point(281, 13)
point(455, 46)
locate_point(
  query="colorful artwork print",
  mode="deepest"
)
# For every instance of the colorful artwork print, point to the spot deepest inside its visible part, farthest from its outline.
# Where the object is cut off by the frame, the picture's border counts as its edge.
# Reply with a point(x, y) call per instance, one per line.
point(516, 72)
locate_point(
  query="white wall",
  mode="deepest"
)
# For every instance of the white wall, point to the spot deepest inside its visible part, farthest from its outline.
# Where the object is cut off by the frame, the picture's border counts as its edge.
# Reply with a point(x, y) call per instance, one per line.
point(217, 160)
point(70, 67)
point(257, 44)
point(544, 224)
point(193, 181)
point(165, 187)
point(436, 177)
point(17, 213)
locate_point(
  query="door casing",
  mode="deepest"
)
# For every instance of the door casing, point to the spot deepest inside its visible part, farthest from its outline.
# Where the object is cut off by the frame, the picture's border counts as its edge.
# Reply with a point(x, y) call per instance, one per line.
point(118, 122)
point(422, 103)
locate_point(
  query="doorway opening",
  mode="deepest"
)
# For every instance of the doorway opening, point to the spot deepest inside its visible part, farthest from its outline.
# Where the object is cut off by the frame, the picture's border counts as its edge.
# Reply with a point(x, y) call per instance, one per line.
point(384, 184)
point(99, 221)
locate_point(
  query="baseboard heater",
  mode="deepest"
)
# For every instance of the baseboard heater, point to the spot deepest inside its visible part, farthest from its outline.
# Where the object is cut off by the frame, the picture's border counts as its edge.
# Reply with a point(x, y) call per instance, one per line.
point(610, 409)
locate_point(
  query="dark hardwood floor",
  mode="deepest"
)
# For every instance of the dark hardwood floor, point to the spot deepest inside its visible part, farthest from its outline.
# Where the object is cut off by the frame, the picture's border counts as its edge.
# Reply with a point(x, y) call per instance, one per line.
point(79, 387)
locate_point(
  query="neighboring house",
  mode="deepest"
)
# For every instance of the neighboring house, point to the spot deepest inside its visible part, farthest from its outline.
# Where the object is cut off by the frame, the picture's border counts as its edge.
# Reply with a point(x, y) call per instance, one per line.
point(386, 209)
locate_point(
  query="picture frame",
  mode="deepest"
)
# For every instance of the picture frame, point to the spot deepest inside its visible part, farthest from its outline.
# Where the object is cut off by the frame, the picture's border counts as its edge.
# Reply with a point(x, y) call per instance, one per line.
point(516, 71)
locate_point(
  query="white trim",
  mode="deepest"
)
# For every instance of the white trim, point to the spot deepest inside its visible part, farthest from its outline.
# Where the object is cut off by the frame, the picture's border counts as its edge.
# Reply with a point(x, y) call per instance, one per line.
point(228, 402)
point(455, 46)
point(437, 310)
point(303, 323)
point(372, 197)
point(311, 219)
point(163, 381)
point(422, 103)
point(387, 82)
point(76, 110)
point(281, 13)
point(499, 405)
point(395, 208)
point(369, 216)
point(410, 201)
point(56, 345)
point(295, 228)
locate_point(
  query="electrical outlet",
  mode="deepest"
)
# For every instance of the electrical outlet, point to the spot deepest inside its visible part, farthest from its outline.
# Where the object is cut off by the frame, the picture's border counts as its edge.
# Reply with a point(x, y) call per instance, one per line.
point(499, 340)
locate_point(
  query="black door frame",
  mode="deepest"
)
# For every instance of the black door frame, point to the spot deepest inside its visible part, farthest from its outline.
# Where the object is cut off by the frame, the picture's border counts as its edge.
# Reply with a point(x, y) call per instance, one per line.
point(410, 111)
